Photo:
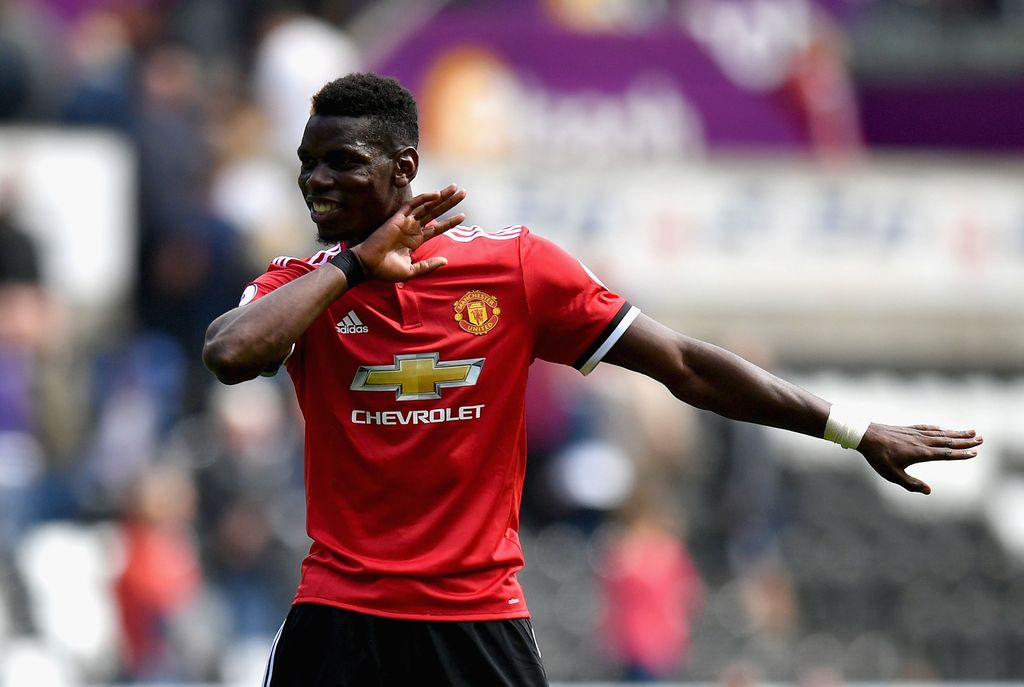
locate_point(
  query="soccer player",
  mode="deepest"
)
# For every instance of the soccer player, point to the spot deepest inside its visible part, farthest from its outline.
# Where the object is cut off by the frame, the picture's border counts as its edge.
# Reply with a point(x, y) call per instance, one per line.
point(408, 340)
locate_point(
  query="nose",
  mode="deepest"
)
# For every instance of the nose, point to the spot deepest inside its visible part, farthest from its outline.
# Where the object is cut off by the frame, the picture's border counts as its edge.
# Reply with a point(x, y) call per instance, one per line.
point(320, 177)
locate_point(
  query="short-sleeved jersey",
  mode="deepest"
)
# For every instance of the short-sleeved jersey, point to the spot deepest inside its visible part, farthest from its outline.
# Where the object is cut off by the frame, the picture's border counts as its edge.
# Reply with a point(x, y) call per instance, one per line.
point(415, 438)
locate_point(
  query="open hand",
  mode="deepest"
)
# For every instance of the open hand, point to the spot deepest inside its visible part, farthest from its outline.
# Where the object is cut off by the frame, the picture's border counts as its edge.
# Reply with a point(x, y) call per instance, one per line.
point(891, 449)
point(387, 252)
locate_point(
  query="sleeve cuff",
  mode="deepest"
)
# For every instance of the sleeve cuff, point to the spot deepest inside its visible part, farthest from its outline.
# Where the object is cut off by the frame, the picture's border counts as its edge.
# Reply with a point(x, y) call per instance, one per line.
point(272, 370)
point(603, 343)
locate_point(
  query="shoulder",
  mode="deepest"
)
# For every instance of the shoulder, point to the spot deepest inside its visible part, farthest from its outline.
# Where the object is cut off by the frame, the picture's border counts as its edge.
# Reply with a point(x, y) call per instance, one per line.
point(474, 233)
point(515, 243)
point(473, 245)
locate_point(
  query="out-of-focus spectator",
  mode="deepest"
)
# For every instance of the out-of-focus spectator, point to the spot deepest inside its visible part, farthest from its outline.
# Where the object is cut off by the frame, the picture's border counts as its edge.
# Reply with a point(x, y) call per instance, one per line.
point(138, 389)
point(744, 516)
point(819, 84)
point(297, 54)
point(14, 79)
point(189, 271)
point(21, 281)
point(562, 422)
point(250, 477)
point(101, 91)
point(589, 479)
point(173, 152)
point(31, 61)
point(250, 187)
point(743, 487)
point(161, 575)
point(652, 591)
point(190, 258)
point(22, 459)
point(28, 325)
point(589, 446)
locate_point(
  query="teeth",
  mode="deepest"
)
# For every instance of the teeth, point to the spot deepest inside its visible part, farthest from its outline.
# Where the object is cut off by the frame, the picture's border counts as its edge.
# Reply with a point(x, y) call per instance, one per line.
point(324, 207)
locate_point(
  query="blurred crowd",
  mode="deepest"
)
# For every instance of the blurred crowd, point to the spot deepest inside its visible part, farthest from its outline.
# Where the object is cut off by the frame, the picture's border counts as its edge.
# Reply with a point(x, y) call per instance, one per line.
point(151, 521)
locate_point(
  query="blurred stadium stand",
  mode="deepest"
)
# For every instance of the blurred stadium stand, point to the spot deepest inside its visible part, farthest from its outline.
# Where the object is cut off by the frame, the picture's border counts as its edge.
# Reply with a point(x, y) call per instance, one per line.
point(829, 187)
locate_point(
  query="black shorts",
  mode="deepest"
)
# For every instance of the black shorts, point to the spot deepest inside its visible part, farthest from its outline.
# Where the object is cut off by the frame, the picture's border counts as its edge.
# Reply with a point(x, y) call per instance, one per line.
point(323, 646)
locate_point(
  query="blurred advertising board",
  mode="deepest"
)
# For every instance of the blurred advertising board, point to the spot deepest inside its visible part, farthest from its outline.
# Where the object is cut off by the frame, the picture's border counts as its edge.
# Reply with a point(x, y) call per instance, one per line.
point(628, 79)
point(667, 78)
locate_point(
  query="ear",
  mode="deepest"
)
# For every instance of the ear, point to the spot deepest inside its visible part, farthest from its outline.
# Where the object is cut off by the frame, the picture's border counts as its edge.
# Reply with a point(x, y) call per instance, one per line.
point(407, 164)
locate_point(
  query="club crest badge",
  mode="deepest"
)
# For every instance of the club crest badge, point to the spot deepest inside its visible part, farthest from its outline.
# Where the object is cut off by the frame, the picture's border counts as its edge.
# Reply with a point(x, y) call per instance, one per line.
point(477, 312)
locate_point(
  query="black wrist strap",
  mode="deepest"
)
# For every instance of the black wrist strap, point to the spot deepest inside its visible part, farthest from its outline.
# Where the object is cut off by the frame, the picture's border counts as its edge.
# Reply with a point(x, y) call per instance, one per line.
point(347, 262)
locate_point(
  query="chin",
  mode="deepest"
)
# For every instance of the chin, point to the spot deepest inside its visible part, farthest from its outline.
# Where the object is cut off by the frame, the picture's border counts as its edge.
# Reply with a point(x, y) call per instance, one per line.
point(326, 239)
point(328, 236)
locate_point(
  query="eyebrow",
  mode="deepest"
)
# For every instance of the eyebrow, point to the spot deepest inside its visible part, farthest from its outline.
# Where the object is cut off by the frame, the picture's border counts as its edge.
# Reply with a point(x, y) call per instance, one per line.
point(344, 148)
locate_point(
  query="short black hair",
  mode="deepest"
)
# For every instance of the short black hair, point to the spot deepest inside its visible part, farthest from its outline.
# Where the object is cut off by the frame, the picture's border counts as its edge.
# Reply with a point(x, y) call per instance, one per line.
point(380, 98)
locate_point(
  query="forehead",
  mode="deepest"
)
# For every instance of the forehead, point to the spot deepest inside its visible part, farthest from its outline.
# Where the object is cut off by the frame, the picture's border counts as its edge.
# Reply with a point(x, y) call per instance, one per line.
point(329, 132)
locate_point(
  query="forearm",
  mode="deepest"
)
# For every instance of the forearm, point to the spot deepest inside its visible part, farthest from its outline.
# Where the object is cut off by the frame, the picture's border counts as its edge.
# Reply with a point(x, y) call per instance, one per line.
point(709, 377)
point(714, 379)
point(244, 341)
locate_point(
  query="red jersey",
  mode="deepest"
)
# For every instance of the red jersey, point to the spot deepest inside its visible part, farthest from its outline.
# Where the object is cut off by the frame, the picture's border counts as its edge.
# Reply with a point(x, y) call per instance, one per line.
point(415, 437)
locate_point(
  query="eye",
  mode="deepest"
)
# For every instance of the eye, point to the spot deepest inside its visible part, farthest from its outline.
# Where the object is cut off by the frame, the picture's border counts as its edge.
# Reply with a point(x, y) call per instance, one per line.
point(342, 162)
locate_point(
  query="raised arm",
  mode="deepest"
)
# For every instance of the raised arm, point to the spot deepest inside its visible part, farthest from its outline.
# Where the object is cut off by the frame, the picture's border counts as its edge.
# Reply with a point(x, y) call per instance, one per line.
point(244, 341)
point(711, 378)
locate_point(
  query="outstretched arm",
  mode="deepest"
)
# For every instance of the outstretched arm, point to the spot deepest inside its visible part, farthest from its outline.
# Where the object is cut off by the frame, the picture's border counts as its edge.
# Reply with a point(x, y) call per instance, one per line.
point(247, 340)
point(714, 379)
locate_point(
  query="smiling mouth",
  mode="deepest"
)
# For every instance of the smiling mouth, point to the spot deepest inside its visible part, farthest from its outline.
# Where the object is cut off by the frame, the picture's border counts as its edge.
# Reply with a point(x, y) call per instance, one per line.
point(322, 207)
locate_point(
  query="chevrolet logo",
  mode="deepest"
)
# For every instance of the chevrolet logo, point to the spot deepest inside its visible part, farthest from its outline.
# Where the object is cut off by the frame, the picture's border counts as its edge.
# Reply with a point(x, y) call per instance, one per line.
point(417, 376)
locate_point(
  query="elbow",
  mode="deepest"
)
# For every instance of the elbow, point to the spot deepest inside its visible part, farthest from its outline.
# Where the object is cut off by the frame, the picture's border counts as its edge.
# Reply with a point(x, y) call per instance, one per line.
point(225, 362)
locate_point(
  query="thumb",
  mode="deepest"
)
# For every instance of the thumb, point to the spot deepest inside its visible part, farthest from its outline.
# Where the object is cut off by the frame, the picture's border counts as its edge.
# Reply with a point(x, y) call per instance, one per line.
point(427, 266)
point(913, 484)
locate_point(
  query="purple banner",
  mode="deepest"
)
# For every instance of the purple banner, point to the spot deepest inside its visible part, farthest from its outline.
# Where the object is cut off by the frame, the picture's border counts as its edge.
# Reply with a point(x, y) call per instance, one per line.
point(975, 116)
point(660, 80)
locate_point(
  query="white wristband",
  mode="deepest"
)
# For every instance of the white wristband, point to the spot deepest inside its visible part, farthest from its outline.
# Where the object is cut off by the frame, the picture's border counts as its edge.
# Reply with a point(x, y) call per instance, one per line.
point(843, 429)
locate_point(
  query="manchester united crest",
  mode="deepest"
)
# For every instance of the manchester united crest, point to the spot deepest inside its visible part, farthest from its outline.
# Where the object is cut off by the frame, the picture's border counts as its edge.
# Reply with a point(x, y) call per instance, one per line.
point(477, 312)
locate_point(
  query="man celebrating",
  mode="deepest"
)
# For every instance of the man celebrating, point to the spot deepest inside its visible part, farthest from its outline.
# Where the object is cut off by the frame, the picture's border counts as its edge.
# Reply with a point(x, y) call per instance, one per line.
point(408, 340)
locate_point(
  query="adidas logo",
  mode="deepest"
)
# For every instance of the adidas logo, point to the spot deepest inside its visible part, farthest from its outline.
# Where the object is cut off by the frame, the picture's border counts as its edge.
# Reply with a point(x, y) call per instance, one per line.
point(351, 324)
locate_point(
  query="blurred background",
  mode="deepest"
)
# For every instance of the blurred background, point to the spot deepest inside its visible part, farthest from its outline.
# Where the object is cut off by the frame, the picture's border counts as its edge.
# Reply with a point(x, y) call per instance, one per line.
point(832, 188)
